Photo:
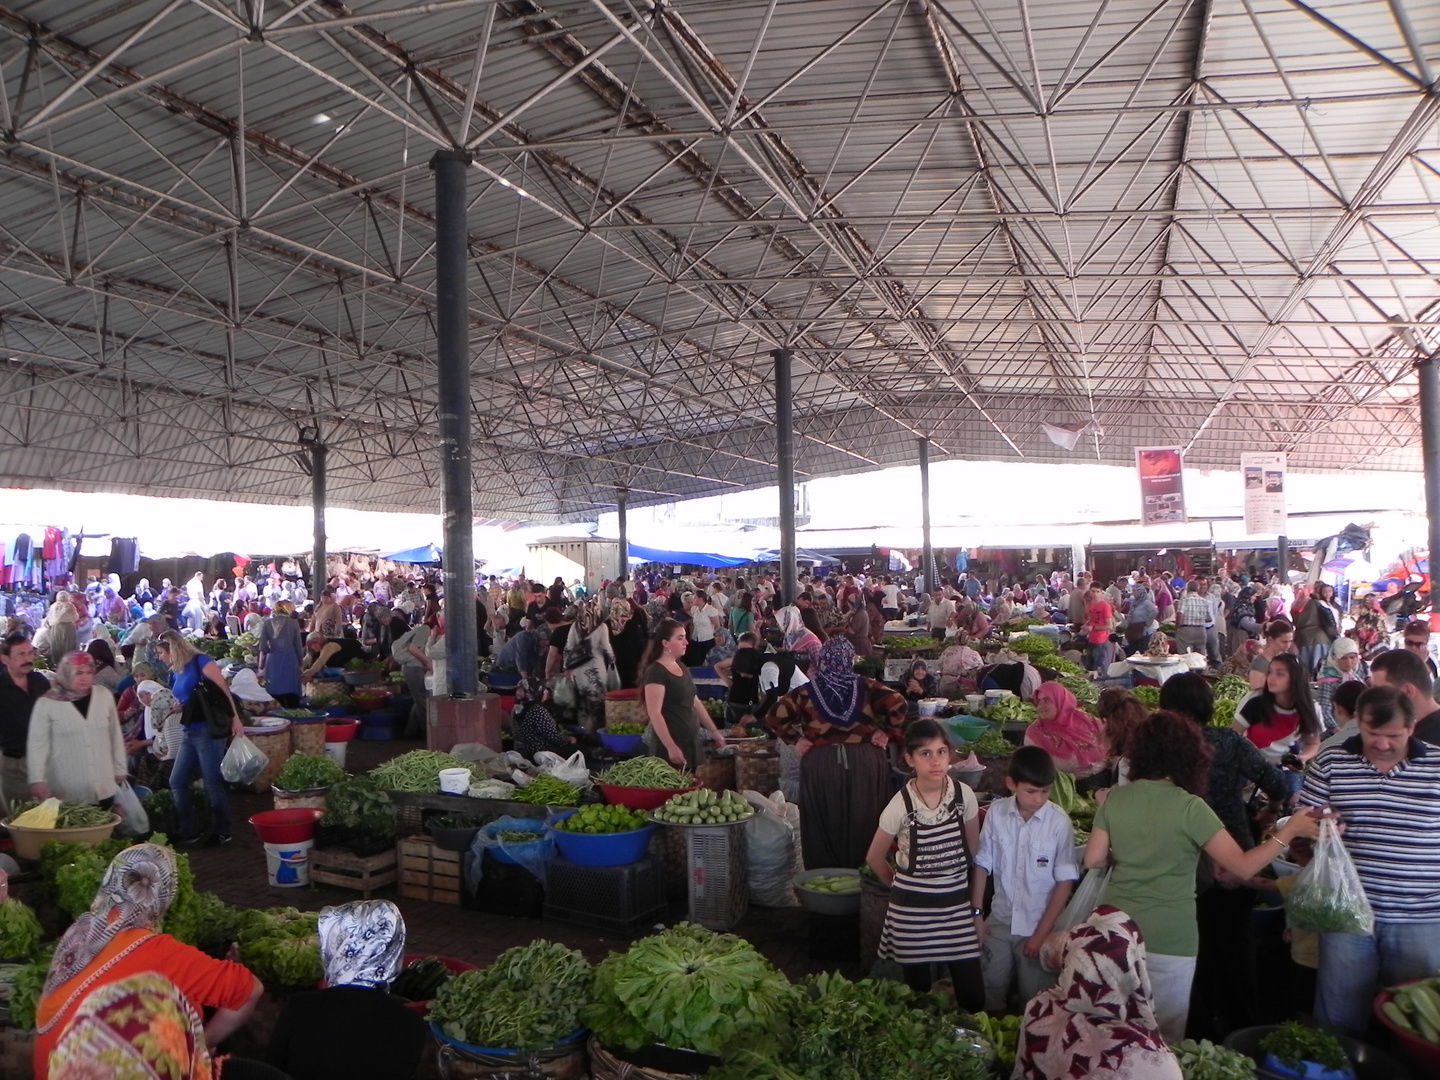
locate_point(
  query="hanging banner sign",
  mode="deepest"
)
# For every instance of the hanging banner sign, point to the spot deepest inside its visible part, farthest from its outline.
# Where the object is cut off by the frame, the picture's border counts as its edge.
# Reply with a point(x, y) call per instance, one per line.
point(1162, 487)
point(1264, 493)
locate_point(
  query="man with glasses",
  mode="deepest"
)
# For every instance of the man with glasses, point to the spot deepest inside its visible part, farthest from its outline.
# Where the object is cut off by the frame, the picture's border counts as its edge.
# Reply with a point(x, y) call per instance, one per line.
point(1417, 641)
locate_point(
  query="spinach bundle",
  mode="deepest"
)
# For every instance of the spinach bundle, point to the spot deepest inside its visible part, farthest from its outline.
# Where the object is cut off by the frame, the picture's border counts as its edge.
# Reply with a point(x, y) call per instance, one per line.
point(870, 1030)
point(528, 999)
point(19, 932)
point(688, 988)
point(302, 772)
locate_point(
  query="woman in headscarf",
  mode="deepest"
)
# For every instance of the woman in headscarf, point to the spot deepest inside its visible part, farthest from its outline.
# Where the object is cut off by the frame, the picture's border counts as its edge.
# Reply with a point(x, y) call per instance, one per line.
point(140, 1028)
point(112, 608)
point(1098, 1021)
point(152, 748)
point(627, 638)
point(74, 750)
point(588, 661)
point(1074, 738)
point(56, 637)
point(1342, 665)
point(353, 1029)
point(533, 725)
point(119, 938)
point(799, 638)
point(282, 649)
point(919, 682)
point(841, 723)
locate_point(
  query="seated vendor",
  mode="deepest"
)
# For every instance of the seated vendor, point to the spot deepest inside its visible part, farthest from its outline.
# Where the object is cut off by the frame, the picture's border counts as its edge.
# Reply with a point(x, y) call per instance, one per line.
point(323, 652)
point(254, 699)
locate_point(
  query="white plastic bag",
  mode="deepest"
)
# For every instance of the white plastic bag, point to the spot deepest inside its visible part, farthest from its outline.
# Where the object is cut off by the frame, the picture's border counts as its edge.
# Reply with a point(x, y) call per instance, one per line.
point(133, 819)
point(243, 762)
point(1328, 896)
point(1088, 896)
point(769, 852)
point(572, 769)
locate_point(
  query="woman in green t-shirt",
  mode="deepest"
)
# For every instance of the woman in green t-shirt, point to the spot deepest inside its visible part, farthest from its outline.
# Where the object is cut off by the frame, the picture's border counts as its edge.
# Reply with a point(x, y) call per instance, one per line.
point(675, 711)
point(1151, 833)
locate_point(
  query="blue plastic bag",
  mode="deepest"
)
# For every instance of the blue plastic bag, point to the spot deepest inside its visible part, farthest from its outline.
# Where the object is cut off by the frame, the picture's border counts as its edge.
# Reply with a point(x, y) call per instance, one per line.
point(532, 855)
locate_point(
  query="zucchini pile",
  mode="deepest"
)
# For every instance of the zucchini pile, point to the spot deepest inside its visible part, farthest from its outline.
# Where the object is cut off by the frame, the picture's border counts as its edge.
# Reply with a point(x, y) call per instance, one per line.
point(704, 807)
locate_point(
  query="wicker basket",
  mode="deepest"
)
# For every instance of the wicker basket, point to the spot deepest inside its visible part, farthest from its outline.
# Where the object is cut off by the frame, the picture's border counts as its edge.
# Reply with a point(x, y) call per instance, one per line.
point(17, 1054)
point(274, 743)
point(718, 772)
point(606, 1066)
point(625, 711)
point(567, 1062)
point(307, 736)
point(758, 772)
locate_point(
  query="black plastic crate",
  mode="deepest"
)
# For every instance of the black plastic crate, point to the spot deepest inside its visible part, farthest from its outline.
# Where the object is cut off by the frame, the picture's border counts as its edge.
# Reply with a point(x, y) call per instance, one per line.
point(506, 890)
point(619, 900)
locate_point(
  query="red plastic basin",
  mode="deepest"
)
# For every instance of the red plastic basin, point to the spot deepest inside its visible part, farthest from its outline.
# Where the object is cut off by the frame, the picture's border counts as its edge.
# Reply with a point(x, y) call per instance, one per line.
point(342, 730)
point(286, 826)
point(622, 695)
point(1425, 1055)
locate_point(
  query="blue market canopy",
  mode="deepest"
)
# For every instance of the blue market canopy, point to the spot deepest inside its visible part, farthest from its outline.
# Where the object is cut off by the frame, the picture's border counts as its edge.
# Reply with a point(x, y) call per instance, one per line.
point(429, 554)
point(641, 553)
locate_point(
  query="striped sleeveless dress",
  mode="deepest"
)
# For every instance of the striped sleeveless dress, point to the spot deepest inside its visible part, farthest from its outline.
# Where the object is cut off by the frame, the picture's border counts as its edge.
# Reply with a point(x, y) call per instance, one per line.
point(929, 920)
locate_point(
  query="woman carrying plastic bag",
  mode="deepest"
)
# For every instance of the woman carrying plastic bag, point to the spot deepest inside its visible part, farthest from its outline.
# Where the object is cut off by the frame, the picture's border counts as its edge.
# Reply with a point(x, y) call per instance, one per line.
point(243, 762)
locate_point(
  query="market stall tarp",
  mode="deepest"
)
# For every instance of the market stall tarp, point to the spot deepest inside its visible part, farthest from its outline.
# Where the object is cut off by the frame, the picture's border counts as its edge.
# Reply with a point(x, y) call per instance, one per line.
point(427, 555)
point(643, 554)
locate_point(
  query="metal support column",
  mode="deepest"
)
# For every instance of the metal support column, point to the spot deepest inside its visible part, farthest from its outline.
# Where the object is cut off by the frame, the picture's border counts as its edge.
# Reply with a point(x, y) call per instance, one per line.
point(1282, 559)
point(452, 339)
point(621, 498)
point(317, 505)
point(927, 553)
point(1428, 375)
point(785, 472)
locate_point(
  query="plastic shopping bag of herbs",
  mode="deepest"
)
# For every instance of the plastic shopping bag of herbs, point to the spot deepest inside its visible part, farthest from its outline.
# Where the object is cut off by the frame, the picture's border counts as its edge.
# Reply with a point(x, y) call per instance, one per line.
point(1328, 896)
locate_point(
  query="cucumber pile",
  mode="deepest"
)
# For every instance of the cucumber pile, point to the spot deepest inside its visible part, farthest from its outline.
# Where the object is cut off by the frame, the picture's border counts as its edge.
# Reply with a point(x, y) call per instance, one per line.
point(704, 807)
point(1416, 1009)
point(421, 980)
point(833, 883)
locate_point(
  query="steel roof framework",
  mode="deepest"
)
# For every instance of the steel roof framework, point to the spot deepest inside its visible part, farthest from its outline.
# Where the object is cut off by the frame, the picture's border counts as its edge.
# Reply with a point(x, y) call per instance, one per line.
point(1192, 221)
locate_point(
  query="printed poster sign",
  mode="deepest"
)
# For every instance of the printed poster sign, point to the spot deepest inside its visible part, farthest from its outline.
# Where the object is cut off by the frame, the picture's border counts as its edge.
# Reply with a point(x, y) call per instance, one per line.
point(1162, 486)
point(1264, 493)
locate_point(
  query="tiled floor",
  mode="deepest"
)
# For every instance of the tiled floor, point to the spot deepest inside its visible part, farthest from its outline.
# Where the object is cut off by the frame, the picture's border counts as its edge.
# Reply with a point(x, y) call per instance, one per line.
point(236, 872)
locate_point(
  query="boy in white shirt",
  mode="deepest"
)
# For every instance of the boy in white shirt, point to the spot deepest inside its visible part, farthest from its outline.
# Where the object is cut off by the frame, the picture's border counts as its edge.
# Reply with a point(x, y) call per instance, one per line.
point(1027, 846)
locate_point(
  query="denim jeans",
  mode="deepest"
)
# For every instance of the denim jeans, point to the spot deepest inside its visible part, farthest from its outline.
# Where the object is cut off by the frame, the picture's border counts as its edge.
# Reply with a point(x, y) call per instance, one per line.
point(1004, 962)
point(1355, 967)
point(199, 751)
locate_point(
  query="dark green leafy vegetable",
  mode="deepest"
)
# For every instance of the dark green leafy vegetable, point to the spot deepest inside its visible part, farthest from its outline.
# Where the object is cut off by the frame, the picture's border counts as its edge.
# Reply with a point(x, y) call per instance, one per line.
point(284, 963)
point(1326, 911)
point(870, 1030)
point(305, 771)
point(689, 988)
point(529, 999)
point(358, 815)
point(25, 990)
point(1003, 1033)
point(1204, 1060)
point(992, 744)
point(1295, 1043)
point(19, 932)
point(1230, 688)
point(625, 729)
point(1149, 695)
point(421, 980)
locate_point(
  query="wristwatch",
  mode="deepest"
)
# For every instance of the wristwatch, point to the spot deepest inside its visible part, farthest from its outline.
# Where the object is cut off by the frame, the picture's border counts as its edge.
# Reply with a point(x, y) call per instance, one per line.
point(979, 913)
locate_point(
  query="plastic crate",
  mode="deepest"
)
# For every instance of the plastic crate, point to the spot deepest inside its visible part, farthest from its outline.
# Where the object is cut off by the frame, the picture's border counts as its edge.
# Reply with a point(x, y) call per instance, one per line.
point(616, 900)
point(715, 860)
point(506, 890)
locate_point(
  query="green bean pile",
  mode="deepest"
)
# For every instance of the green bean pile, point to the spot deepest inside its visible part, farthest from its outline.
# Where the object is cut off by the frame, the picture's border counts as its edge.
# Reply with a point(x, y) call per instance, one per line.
point(647, 772)
point(548, 790)
point(419, 770)
point(73, 815)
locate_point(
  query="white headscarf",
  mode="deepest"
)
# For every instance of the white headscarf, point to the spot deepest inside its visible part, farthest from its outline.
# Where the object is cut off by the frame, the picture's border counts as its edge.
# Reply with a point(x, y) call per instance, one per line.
point(362, 943)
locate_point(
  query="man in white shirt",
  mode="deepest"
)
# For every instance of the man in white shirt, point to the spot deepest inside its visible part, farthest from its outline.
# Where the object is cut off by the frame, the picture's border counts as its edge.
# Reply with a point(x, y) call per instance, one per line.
point(706, 618)
point(890, 604)
point(937, 616)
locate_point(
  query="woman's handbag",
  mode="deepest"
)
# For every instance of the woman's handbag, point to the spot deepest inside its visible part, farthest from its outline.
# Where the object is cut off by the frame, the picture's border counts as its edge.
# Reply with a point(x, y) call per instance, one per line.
point(209, 705)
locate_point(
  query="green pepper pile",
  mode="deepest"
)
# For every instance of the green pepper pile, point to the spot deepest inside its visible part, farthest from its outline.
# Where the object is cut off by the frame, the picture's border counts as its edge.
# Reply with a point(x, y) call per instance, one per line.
point(597, 820)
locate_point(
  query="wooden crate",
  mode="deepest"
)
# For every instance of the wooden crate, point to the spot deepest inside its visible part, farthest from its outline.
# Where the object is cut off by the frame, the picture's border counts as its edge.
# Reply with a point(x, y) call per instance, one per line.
point(364, 873)
point(428, 872)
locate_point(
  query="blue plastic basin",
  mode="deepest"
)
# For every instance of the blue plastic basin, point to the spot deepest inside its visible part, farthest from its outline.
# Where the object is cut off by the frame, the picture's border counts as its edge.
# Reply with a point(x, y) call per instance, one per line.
point(621, 744)
point(606, 849)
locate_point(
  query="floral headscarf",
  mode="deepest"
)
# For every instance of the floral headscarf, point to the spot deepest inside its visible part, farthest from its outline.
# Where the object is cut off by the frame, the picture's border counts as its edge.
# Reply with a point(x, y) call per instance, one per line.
point(620, 612)
point(362, 943)
point(140, 1028)
point(838, 693)
point(135, 893)
point(1074, 738)
point(1098, 1021)
point(62, 681)
point(798, 637)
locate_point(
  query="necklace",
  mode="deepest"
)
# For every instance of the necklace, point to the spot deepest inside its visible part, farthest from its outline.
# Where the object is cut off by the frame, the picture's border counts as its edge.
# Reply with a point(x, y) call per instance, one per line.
point(940, 797)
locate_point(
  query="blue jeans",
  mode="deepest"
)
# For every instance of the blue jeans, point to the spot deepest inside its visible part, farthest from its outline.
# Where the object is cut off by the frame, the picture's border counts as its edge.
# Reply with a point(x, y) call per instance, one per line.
point(199, 751)
point(1354, 968)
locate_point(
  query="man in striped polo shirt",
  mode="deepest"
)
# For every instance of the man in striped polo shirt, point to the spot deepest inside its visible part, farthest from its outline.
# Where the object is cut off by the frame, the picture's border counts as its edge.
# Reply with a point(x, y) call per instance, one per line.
point(1385, 785)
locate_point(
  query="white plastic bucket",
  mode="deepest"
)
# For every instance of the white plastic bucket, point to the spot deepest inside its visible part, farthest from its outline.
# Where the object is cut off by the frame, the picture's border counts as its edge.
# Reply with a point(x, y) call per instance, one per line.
point(335, 751)
point(455, 781)
point(289, 864)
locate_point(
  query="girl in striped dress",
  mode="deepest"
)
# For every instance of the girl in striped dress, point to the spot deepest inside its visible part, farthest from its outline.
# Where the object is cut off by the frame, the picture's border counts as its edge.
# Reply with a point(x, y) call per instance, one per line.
point(934, 824)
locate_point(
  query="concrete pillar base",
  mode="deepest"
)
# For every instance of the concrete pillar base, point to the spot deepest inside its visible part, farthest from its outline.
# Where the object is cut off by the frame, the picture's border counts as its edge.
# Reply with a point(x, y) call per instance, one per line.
point(451, 721)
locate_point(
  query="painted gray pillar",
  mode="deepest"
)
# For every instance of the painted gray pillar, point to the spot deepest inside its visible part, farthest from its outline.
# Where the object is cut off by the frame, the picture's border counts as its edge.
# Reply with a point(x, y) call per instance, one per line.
point(1282, 559)
point(452, 340)
point(621, 498)
point(1429, 379)
point(318, 455)
point(785, 470)
point(927, 552)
